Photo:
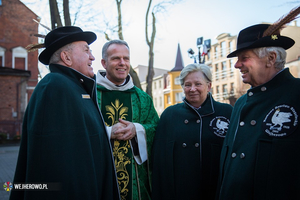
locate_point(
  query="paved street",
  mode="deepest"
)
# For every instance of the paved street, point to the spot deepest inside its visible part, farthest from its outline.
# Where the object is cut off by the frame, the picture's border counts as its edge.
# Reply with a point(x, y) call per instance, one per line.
point(8, 161)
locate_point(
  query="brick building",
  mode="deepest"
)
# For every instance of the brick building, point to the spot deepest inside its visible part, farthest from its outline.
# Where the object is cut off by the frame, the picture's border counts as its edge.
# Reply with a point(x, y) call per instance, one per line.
point(18, 68)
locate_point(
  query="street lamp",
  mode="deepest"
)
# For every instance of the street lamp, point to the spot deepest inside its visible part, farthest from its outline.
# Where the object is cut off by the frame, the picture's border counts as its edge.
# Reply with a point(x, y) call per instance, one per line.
point(205, 50)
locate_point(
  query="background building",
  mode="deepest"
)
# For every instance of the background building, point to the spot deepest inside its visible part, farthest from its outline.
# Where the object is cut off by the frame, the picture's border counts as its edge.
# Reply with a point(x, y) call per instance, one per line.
point(18, 68)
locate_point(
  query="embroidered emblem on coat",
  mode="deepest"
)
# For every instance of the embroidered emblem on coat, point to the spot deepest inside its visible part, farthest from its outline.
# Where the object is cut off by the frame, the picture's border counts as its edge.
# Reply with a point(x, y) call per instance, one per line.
point(219, 126)
point(281, 121)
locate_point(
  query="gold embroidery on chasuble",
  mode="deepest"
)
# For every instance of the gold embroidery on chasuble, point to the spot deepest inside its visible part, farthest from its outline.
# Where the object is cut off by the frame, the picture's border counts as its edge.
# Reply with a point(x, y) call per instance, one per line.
point(116, 105)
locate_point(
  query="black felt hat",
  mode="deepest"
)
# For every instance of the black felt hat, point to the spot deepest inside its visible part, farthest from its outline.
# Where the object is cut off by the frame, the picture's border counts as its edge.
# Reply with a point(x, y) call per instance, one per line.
point(62, 36)
point(252, 37)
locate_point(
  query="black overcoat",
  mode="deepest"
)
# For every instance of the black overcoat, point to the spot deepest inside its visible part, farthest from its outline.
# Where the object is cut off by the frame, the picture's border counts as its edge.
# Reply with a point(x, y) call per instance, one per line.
point(186, 150)
point(260, 158)
point(64, 141)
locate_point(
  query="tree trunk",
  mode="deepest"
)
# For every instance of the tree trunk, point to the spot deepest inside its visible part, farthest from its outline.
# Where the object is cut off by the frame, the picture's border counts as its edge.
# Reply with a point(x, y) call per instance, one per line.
point(150, 43)
point(133, 74)
point(55, 17)
point(67, 13)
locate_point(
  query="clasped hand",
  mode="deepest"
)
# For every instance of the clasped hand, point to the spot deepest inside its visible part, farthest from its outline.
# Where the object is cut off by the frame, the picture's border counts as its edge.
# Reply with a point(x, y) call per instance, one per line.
point(123, 130)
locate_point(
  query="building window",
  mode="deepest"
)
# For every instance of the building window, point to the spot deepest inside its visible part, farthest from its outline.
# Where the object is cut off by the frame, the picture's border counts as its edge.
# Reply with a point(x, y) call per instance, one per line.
point(225, 89)
point(19, 58)
point(231, 67)
point(217, 89)
point(217, 72)
point(159, 84)
point(177, 81)
point(169, 99)
point(224, 70)
point(231, 46)
point(216, 52)
point(155, 102)
point(231, 89)
point(160, 101)
point(168, 81)
point(154, 85)
point(2, 57)
point(223, 49)
point(179, 96)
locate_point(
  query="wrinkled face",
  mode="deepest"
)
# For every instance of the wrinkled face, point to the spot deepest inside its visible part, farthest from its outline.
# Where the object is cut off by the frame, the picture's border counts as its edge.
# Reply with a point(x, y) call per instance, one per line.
point(196, 88)
point(117, 64)
point(81, 58)
point(253, 69)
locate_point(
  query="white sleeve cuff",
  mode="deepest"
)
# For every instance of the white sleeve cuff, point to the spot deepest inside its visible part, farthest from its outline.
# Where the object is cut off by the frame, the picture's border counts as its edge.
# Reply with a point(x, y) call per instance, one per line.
point(142, 144)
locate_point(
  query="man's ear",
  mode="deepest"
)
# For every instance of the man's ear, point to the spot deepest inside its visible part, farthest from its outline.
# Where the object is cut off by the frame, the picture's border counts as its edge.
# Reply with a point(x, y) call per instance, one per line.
point(271, 59)
point(103, 63)
point(66, 58)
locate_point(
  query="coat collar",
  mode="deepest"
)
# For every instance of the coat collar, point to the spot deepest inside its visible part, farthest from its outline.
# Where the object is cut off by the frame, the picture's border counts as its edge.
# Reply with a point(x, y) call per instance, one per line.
point(207, 108)
point(79, 78)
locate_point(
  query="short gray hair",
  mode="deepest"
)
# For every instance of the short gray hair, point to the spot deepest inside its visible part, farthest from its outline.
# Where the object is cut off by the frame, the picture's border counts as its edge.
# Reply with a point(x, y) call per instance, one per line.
point(280, 52)
point(55, 58)
point(107, 44)
point(195, 68)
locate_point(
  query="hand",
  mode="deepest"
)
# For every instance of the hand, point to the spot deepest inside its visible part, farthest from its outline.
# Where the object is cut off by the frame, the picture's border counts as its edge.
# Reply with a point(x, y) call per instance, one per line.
point(125, 132)
point(114, 130)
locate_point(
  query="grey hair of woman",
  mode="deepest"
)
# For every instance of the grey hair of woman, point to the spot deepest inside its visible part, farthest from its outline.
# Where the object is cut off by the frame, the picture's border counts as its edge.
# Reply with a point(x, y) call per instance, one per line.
point(280, 52)
point(107, 44)
point(195, 68)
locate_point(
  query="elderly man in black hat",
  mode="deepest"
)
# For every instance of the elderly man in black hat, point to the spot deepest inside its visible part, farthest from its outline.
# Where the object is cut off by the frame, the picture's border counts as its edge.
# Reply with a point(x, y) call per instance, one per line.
point(261, 151)
point(65, 151)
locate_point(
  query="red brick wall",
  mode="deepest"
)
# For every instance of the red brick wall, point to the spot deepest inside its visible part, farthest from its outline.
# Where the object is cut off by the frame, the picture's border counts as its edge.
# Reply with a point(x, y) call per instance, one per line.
point(16, 29)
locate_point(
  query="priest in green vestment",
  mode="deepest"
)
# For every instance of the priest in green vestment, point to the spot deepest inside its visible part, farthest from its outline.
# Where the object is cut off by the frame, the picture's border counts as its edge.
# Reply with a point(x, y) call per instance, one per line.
point(131, 120)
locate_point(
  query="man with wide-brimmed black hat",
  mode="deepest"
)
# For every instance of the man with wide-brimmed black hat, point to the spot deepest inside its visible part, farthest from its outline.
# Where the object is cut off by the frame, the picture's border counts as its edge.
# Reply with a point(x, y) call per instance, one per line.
point(261, 151)
point(64, 145)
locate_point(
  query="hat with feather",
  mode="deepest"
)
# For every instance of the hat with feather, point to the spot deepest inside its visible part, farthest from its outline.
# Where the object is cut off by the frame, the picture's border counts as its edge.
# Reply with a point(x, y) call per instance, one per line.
point(60, 37)
point(265, 35)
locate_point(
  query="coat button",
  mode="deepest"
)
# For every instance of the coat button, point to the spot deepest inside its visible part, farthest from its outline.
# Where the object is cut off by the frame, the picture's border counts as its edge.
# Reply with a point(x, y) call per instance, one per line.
point(242, 123)
point(233, 155)
point(186, 121)
point(242, 155)
point(253, 122)
point(197, 145)
point(183, 145)
point(250, 94)
point(263, 88)
point(198, 121)
point(81, 80)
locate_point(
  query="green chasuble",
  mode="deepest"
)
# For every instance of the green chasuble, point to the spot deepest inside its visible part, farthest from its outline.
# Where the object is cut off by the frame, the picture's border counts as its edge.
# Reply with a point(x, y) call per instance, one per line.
point(131, 105)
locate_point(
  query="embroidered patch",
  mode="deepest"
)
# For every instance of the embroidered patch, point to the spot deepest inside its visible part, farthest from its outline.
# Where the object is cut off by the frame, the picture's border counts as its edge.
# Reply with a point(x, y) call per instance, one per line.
point(219, 126)
point(281, 121)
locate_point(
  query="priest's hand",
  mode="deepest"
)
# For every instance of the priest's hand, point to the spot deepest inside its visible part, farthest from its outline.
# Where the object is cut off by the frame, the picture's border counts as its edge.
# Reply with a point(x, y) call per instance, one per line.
point(115, 131)
point(125, 133)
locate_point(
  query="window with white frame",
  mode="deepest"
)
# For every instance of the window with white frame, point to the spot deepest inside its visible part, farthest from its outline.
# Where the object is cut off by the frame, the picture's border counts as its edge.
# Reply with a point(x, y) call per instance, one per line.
point(19, 58)
point(179, 96)
point(177, 81)
point(2, 57)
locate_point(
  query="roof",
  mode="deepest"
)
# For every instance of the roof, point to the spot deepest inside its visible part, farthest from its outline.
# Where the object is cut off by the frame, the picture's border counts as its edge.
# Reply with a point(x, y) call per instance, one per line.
point(179, 62)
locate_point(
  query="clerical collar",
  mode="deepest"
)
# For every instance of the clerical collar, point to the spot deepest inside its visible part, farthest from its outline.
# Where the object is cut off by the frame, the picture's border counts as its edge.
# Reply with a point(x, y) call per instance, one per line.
point(124, 83)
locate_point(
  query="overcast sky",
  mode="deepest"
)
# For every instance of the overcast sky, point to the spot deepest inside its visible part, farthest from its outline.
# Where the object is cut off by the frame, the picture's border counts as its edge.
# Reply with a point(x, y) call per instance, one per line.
point(183, 23)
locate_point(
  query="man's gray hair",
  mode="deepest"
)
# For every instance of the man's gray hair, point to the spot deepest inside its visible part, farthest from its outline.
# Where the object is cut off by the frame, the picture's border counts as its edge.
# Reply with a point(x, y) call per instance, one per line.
point(55, 58)
point(107, 44)
point(195, 68)
point(280, 52)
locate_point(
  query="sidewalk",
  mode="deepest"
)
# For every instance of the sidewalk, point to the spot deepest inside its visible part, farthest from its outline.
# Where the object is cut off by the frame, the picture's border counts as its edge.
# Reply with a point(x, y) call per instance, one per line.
point(8, 161)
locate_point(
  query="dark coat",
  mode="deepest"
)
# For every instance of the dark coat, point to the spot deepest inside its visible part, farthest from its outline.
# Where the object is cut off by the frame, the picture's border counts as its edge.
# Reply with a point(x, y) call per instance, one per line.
point(260, 156)
point(186, 151)
point(64, 141)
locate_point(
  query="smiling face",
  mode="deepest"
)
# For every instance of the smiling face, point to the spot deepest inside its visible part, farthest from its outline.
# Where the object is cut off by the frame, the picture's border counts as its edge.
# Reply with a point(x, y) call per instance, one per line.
point(117, 64)
point(81, 58)
point(255, 71)
point(196, 88)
